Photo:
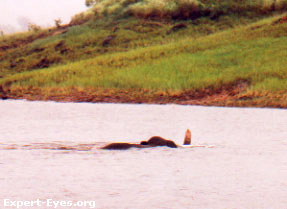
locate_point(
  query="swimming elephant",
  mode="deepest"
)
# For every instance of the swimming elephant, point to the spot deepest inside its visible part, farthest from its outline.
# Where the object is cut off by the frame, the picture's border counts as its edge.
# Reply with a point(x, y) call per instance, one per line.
point(154, 141)
point(122, 146)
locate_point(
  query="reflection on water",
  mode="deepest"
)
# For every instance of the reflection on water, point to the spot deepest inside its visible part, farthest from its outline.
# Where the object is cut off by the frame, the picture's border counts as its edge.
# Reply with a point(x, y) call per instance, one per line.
point(50, 150)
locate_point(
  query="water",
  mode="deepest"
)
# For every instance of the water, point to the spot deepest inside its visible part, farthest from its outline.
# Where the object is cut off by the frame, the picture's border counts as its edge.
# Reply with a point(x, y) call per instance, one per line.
point(50, 151)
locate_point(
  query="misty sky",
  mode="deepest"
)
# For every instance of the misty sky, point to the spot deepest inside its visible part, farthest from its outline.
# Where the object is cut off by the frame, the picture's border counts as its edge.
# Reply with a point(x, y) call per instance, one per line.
point(40, 12)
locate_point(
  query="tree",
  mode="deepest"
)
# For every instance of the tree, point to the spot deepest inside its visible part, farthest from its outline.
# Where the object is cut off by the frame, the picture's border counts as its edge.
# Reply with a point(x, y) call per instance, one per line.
point(33, 27)
point(58, 23)
point(89, 3)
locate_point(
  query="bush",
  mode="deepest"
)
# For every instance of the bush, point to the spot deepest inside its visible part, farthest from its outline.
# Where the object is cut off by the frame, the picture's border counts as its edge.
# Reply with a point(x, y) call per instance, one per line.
point(176, 9)
point(148, 8)
point(274, 5)
point(280, 5)
point(90, 2)
point(33, 27)
point(58, 22)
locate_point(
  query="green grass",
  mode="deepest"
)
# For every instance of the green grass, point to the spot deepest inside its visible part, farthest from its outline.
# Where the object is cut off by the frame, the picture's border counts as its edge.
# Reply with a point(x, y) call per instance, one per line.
point(254, 55)
point(83, 38)
point(246, 43)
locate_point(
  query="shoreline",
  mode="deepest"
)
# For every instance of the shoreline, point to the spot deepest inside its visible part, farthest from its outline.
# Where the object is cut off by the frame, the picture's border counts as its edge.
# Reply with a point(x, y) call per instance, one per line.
point(221, 97)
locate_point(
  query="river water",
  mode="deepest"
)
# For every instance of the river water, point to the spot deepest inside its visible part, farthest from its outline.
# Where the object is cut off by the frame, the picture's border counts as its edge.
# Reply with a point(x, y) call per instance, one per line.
point(51, 150)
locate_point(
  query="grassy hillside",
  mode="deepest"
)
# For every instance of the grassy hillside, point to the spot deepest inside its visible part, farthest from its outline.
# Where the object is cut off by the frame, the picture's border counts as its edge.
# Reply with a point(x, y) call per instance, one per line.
point(187, 52)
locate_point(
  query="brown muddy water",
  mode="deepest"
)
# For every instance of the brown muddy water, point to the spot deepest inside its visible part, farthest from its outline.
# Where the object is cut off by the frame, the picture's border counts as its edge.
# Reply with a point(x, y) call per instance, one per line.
point(50, 150)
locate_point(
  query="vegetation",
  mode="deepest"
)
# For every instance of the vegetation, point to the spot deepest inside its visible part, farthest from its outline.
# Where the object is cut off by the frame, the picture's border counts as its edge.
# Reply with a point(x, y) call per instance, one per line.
point(183, 9)
point(187, 51)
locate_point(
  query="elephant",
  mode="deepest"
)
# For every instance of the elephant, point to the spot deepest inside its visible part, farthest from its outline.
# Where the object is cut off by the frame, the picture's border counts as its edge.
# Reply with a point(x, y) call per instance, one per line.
point(155, 141)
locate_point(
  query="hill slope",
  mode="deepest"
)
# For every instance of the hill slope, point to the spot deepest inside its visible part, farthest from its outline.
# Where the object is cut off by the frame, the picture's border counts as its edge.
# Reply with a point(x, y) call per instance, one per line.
point(227, 54)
